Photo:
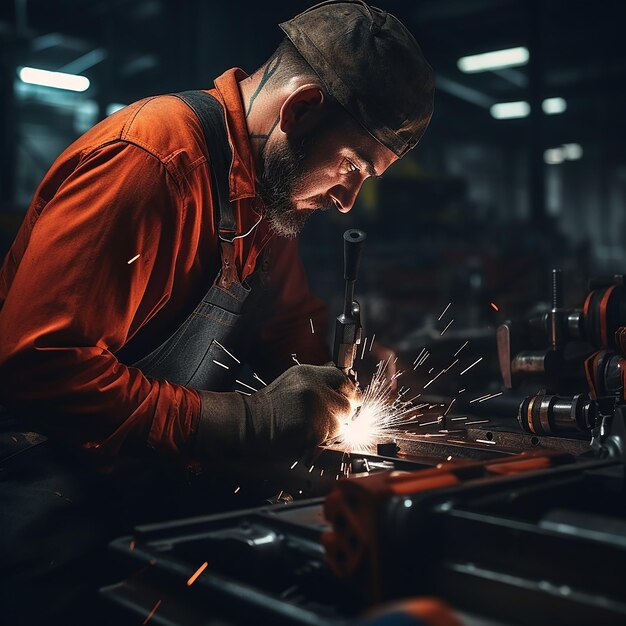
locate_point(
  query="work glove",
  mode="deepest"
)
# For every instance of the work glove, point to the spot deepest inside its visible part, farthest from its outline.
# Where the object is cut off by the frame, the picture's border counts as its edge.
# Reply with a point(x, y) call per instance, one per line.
point(296, 412)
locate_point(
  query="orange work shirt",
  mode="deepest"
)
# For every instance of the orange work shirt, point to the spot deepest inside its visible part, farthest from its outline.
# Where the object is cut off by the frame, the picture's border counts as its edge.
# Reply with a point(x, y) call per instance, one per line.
point(138, 183)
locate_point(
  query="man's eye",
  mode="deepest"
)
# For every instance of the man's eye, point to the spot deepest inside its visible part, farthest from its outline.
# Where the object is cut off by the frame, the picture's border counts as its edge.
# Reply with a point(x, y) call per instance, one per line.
point(351, 167)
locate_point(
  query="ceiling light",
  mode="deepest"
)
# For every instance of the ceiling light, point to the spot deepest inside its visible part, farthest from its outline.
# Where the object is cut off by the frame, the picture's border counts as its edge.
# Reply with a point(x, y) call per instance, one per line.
point(57, 80)
point(511, 57)
point(553, 156)
point(510, 110)
point(521, 108)
point(113, 108)
point(572, 151)
point(551, 106)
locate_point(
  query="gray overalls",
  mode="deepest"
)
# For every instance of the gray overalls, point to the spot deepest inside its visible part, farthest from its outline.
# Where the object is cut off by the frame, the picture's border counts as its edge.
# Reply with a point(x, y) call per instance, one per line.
point(188, 357)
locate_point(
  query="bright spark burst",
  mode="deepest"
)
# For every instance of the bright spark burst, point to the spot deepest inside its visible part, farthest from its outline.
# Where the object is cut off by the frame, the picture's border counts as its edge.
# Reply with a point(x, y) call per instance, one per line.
point(377, 417)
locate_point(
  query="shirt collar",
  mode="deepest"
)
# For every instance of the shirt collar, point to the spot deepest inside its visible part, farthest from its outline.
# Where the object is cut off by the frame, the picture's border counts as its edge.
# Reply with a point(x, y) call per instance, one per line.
point(242, 170)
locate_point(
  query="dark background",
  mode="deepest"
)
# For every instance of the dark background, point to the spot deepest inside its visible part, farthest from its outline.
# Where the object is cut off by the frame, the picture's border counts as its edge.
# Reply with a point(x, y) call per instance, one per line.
point(473, 215)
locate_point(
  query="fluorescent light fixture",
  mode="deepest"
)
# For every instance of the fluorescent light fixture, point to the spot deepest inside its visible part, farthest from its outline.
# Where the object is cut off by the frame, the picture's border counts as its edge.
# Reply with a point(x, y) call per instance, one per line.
point(521, 108)
point(511, 57)
point(553, 156)
point(57, 80)
point(114, 107)
point(572, 151)
point(551, 106)
point(510, 110)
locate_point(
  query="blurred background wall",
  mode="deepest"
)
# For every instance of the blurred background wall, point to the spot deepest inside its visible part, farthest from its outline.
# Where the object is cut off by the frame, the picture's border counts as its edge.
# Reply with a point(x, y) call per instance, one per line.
point(475, 215)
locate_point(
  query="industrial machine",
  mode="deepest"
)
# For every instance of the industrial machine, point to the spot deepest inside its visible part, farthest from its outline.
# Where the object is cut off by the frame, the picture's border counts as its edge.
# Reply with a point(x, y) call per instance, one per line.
point(510, 506)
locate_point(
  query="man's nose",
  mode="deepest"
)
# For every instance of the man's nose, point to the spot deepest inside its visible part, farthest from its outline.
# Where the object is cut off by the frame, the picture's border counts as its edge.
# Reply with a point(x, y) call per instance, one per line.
point(344, 197)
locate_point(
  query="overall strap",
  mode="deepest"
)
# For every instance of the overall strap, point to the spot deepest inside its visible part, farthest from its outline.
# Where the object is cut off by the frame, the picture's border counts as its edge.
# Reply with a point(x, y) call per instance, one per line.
point(211, 115)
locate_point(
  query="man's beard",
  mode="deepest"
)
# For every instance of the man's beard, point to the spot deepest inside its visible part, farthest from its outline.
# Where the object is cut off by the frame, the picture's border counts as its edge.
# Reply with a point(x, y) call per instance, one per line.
point(283, 171)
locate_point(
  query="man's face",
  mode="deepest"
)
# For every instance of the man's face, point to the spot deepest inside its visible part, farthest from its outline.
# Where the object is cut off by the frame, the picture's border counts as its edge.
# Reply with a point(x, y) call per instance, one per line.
point(319, 170)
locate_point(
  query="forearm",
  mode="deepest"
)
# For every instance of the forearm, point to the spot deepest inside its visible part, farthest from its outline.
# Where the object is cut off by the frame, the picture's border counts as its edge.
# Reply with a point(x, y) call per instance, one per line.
point(87, 399)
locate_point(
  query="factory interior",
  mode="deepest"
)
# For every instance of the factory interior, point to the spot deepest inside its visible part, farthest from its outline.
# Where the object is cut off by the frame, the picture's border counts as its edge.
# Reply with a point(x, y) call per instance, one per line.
point(476, 291)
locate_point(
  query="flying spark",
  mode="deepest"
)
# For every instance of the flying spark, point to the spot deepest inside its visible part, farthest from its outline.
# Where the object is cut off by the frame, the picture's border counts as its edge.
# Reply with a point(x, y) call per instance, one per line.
point(294, 464)
point(312, 328)
point(461, 348)
point(494, 306)
point(295, 360)
point(372, 342)
point(446, 328)
point(444, 312)
point(230, 354)
point(451, 365)
point(486, 441)
point(472, 365)
point(257, 377)
point(245, 385)
point(133, 259)
point(450, 406)
point(480, 398)
point(154, 610)
point(419, 356)
point(221, 364)
point(422, 360)
point(197, 573)
point(493, 395)
point(430, 382)
point(237, 490)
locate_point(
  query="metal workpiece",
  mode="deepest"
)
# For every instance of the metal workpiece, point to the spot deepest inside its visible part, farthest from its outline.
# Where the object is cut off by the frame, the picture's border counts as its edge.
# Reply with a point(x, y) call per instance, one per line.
point(580, 368)
point(551, 414)
point(348, 330)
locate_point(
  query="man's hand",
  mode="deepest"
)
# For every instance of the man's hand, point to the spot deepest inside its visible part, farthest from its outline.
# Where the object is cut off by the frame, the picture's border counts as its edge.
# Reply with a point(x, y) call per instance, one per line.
point(296, 412)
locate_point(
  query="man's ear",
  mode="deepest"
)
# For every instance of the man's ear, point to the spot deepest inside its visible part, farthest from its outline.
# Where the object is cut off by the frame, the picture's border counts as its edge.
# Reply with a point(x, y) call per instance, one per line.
point(302, 109)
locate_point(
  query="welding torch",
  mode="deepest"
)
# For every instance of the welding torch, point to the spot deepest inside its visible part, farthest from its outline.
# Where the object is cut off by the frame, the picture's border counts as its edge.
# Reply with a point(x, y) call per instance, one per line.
point(348, 330)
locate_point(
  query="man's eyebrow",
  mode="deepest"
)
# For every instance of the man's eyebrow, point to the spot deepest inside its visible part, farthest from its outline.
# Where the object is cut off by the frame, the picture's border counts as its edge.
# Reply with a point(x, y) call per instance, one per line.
point(369, 168)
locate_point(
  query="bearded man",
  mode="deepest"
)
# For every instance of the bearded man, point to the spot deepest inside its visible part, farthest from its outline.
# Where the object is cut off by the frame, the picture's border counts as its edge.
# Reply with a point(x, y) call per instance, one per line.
point(158, 257)
point(103, 343)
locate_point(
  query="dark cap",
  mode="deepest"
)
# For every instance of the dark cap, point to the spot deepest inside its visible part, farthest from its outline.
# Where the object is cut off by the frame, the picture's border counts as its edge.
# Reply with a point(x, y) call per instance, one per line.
point(371, 64)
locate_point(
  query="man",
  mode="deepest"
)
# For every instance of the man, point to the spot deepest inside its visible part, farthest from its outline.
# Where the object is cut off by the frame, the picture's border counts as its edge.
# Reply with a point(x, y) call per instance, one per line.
point(103, 345)
point(120, 242)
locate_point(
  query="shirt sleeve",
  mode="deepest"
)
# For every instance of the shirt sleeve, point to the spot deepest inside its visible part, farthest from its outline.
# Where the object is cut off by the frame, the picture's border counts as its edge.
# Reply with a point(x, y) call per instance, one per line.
point(293, 321)
point(78, 295)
